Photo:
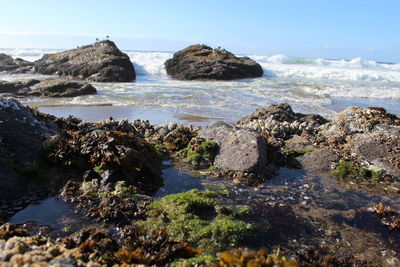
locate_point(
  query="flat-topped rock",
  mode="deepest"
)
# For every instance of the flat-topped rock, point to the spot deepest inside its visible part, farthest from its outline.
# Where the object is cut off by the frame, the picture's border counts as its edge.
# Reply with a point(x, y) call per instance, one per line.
point(201, 62)
point(99, 62)
point(47, 88)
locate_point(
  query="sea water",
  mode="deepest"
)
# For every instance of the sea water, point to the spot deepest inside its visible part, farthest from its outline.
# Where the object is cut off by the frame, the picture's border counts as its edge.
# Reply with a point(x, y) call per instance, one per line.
point(323, 86)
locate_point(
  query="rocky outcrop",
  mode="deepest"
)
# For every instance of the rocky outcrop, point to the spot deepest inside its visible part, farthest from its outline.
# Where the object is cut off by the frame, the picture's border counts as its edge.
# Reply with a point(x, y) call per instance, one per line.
point(47, 88)
point(370, 137)
point(99, 62)
point(18, 65)
point(280, 121)
point(38, 149)
point(202, 62)
point(240, 150)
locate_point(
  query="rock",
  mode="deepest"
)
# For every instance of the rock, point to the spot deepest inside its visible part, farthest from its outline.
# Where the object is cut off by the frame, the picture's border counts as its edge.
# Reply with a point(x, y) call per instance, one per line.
point(280, 121)
point(368, 135)
point(320, 160)
point(64, 262)
point(99, 62)
point(202, 62)
point(17, 88)
point(47, 88)
point(18, 65)
point(62, 88)
point(240, 150)
point(380, 147)
point(113, 149)
point(23, 135)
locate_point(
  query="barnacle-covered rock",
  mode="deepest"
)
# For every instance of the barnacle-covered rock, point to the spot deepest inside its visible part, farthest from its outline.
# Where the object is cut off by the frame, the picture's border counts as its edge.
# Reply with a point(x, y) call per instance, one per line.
point(280, 121)
point(370, 137)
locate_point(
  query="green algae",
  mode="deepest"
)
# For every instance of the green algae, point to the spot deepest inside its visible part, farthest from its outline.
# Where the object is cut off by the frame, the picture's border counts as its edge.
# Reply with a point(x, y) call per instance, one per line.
point(297, 152)
point(346, 169)
point(213, 168)
point(196, 217)
point(202, 154)
point(201, 260)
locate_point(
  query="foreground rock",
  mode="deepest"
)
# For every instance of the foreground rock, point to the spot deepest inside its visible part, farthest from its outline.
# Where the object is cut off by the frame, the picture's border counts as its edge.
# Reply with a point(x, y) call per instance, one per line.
point(38, 150)
point(100, 62)
point(240, 150)
point(368, 137)
point(47, 88)
point(90, 247)
point(22, 137)
point(202, 62)
point(18, 65)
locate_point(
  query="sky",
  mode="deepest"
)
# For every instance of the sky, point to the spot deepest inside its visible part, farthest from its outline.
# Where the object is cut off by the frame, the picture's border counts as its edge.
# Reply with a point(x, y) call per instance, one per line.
point(315, 28)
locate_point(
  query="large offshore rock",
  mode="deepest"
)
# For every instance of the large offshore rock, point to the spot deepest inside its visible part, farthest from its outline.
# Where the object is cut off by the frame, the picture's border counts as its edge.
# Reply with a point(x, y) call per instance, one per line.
point(202, 62)
point(18, 65)
point(47, 88)
point(240, 150)
point(99, 62)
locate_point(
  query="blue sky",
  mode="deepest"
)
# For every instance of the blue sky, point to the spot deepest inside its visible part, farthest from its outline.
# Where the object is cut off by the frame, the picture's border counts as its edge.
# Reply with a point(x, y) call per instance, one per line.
point(327, 29)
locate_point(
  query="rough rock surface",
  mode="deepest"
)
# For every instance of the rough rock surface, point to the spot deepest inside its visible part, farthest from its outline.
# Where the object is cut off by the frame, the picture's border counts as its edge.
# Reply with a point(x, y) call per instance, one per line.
point(37, 147)
point(99, 62)
point(18, 65)
point(370, 136)
point(22, 135)
point(281, 122)
point(203, 62)
point(320, 160)
point(47, 88)
point(115, 150)
point(240, 150)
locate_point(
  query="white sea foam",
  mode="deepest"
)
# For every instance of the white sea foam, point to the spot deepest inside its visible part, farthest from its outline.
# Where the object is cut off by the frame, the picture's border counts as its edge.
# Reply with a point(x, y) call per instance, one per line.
point(357, 69)
point(149, 63)
point(309, 85)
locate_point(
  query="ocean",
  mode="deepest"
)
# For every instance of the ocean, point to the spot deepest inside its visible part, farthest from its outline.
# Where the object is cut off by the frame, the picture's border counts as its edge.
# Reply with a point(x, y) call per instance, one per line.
point(323, 86)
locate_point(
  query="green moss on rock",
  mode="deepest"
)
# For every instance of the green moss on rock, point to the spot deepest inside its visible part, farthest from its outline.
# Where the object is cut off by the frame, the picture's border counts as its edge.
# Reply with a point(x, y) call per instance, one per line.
point(196, 217)
point(200, 152)
point(202, 260)
point(346, 169)
point(297, 152)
